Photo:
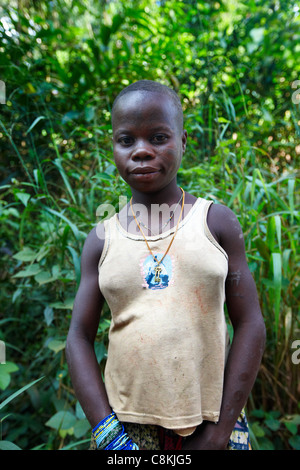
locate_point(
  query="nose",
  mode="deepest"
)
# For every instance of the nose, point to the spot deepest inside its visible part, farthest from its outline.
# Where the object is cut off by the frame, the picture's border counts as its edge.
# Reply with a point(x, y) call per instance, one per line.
point(143, 150)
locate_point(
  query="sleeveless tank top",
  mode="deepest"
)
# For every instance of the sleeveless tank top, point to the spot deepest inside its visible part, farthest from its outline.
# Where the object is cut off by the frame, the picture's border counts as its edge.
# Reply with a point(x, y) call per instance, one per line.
point(168, 335)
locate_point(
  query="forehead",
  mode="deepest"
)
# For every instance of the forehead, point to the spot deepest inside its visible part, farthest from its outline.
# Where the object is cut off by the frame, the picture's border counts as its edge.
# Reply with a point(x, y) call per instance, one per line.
point(144, 106)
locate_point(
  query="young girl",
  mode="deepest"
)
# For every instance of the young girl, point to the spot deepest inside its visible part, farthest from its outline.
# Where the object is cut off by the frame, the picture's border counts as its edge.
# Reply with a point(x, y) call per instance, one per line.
point(165, 264)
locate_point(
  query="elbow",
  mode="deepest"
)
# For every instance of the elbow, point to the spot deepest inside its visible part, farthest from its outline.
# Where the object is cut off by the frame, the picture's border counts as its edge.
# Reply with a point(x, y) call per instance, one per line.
point(252, 332)
point(72, 343)
point(69, 348)
point(77, 340)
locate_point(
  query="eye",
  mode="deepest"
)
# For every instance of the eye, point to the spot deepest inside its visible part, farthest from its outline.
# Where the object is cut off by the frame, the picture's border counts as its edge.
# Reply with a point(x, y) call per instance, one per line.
point(159, 138)
point(125, 140)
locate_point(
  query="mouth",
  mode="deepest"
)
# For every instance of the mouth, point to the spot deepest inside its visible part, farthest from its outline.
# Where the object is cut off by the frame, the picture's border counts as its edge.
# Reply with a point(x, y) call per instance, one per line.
point(145, 170)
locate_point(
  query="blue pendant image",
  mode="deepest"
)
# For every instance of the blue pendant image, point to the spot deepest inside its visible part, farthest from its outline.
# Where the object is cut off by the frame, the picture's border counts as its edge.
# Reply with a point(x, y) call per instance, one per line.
point(157, 275)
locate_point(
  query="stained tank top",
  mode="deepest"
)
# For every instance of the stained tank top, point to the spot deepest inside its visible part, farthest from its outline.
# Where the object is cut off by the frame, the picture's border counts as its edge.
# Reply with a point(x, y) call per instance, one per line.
point(168, 335)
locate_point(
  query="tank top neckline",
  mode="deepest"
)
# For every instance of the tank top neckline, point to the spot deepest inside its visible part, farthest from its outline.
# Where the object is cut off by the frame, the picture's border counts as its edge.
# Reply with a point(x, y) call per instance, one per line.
point(162, 235)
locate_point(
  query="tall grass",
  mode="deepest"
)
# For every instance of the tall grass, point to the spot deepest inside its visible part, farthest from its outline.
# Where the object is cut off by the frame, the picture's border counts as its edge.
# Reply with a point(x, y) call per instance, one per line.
point(42, 272)
point(55, 135)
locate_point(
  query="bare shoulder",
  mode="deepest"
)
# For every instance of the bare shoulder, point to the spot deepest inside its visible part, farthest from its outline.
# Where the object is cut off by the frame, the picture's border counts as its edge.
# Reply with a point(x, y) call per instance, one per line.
point(93, 247)
point(225, 227)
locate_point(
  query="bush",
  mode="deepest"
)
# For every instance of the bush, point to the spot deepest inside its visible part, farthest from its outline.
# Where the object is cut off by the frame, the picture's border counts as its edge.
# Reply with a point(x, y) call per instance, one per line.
point(234, 66)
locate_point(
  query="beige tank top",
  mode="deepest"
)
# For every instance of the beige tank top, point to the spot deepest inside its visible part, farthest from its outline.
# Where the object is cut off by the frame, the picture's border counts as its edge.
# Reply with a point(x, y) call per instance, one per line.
point(168, 335)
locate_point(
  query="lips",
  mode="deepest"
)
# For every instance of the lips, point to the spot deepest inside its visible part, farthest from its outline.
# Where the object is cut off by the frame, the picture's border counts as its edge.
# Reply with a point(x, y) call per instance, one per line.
point(144, 170)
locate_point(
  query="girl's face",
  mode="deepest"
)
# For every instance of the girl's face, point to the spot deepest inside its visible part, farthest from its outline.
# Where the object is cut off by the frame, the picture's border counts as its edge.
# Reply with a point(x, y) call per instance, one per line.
point(148, 140)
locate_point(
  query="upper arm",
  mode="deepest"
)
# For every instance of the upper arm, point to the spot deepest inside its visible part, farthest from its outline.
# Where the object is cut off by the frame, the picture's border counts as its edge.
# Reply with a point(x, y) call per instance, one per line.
point(240, 289)
point(89, 300)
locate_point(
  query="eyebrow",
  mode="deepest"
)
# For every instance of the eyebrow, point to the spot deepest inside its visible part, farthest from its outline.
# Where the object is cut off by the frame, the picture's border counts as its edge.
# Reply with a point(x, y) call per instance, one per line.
point(158, 128)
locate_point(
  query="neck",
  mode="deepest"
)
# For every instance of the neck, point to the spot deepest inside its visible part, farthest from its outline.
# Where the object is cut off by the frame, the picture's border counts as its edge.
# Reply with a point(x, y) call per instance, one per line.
point(170, 194)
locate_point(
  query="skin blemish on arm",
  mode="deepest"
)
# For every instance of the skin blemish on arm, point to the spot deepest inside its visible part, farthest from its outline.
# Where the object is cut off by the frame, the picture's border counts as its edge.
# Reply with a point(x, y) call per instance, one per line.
point(233, 281)
point(244, 377)
point(234, 277)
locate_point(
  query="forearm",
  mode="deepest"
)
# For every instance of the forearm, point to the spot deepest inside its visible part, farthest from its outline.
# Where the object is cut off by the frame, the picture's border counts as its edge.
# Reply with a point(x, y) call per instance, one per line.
point(86, 378)
point(241, 370)
point(240, 373)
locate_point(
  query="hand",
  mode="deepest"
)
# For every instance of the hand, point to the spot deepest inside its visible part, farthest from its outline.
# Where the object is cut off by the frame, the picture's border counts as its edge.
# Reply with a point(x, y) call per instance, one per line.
point(206, 437)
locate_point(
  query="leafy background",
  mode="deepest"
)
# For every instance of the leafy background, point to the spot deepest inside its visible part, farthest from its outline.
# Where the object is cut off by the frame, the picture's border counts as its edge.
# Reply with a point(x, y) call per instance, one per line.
point(236, 67)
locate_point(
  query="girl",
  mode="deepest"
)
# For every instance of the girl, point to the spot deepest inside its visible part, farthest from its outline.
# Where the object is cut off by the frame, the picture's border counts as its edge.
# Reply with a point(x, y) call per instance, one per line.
point(165, 265)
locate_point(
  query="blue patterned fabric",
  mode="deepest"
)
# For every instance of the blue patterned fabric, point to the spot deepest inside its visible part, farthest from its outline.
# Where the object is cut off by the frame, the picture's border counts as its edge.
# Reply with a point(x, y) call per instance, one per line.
point(240, 439)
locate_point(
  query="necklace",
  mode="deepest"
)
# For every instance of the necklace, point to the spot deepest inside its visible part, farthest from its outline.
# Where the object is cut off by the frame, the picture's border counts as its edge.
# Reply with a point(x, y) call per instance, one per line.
point(158, 269)
point(164, 226)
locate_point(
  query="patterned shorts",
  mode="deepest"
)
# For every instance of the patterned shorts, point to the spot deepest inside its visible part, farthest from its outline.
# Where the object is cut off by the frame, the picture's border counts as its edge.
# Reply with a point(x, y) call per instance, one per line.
point(151, 437)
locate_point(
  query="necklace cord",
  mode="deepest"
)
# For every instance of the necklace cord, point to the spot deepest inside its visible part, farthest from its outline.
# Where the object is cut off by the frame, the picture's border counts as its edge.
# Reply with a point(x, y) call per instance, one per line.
point(154, 257)
point(167, 222)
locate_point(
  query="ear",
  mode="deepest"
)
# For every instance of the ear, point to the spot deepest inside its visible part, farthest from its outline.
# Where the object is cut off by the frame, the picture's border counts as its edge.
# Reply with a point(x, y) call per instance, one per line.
point(183, 140)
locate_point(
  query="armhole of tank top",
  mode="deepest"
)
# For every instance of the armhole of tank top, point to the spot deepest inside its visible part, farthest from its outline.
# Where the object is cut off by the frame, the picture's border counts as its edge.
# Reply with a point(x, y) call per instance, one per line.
point(208, 233)
point(106, 242)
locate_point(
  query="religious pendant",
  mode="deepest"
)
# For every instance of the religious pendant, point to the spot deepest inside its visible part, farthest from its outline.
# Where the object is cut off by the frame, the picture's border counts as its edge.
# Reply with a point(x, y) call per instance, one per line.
point(157, 276)
point(157, 271)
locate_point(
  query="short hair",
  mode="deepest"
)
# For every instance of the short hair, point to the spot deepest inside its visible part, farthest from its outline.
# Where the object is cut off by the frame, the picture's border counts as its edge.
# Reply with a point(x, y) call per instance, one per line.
point(152, 87)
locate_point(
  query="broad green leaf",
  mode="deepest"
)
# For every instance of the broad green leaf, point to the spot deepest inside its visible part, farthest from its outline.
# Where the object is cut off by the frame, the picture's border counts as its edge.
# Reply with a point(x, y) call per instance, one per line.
point(27, 254)
point(9, 367)
point(7, 445)
point(257, 429)
point(62, 420)
point(4, 379)
point(56, 345)
point(295, 442)
point(292, 427)
point(292, 419)
point(81, 427)
point(44, 250)
point(43, 277)
point(103, 176)
point(273, 424)
point(79, 411)
point(5, 370)
point(222, 119)
point(31, 270)
point(67, 304)
point(24, 197)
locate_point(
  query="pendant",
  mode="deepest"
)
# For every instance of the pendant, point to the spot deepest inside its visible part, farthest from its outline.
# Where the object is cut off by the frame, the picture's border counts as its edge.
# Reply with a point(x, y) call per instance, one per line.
point(157, 271)
point(157, 275)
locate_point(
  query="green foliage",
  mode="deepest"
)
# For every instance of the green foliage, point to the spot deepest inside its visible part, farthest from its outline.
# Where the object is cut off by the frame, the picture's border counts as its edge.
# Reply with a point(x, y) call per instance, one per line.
point(234, 65)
